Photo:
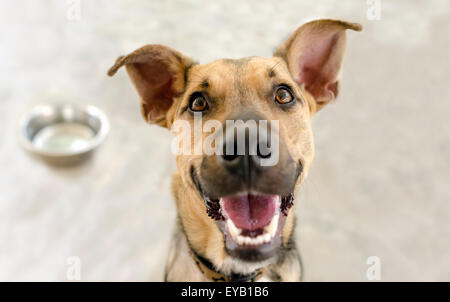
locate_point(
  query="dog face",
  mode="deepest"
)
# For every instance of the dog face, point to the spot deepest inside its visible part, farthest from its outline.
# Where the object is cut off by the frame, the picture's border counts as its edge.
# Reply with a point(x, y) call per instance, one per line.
point(232, 205)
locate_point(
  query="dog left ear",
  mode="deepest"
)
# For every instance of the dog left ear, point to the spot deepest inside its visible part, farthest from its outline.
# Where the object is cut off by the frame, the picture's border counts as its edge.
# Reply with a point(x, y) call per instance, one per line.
point(158, 73)
point(314, 54)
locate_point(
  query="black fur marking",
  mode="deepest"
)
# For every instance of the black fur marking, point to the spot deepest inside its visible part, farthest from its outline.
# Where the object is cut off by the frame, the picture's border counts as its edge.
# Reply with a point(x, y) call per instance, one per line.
point(271, 73)
point(286, 203)
point(213, 210)
point(205, 83)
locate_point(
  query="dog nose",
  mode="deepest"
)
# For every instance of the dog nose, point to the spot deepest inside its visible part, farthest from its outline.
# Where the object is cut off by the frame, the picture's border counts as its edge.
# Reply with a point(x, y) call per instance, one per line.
point(233, 158)
point(245, 147)
point(254, 159)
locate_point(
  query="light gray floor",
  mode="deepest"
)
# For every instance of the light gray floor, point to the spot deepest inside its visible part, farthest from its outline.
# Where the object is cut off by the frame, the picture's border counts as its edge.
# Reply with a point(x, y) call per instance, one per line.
point(379, 185)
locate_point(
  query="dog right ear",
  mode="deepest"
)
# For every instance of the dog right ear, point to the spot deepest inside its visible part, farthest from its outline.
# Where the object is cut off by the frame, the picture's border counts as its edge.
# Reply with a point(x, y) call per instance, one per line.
point(158, 74)
point(314, 55)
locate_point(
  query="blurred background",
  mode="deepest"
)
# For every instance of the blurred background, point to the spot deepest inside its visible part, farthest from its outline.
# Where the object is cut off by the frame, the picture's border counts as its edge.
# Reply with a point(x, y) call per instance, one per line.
point(379, 185)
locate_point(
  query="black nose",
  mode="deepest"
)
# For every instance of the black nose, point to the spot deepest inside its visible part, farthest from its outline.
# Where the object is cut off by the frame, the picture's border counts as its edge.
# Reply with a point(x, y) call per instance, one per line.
point(232, 157)
point(243, 149)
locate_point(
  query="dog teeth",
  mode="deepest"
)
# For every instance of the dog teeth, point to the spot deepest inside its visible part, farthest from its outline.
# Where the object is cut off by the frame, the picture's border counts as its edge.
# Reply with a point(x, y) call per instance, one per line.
point(273, 225)
point(234, 230)
point(269, 232)
point(243, 240)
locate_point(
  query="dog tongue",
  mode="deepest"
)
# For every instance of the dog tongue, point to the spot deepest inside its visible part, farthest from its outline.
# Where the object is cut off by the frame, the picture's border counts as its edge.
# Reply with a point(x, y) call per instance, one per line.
point(250, 212)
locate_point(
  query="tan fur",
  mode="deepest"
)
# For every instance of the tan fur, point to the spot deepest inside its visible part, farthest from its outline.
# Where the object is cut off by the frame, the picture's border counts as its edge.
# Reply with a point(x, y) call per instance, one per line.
point(238, 84)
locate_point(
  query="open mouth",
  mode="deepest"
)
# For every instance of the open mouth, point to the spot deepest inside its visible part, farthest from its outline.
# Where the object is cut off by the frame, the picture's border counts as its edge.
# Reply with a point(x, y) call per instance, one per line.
point(252, 219)
point(251, 222)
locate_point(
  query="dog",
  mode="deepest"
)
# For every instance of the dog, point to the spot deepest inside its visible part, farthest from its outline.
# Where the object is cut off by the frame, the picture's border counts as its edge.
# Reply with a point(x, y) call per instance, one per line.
point(235, 218)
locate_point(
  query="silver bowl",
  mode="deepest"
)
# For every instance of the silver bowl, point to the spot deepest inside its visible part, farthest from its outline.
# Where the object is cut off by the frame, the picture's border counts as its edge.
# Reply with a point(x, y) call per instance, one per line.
point(63, 133)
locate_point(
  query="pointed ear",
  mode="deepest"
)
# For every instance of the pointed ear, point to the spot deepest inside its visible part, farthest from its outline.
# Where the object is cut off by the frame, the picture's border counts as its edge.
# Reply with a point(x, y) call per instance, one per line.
point(314, 54)
point(158, 74)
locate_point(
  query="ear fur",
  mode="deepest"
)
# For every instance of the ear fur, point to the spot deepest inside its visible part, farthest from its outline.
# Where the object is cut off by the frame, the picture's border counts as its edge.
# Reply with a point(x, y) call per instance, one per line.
point(159, 75)
point(314, 54)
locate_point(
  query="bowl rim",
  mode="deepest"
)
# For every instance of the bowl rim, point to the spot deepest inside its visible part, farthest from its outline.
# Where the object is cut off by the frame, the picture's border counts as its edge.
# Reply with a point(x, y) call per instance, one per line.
point(99, 137)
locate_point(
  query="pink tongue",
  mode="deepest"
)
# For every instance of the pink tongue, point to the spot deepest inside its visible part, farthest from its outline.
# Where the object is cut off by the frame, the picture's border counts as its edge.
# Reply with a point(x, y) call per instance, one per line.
point(250, 212)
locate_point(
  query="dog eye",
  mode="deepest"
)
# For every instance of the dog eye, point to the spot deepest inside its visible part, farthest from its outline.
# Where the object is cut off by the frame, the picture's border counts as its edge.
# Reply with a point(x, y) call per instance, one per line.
point(283, 95)
point(198, 103)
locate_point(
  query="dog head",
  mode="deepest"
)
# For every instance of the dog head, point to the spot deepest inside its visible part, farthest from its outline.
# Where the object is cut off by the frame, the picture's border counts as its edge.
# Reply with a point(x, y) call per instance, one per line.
point(235, 203)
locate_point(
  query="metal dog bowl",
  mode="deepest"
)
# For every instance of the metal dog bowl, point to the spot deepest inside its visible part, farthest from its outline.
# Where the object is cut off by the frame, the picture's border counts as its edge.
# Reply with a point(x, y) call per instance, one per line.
point(63, 133)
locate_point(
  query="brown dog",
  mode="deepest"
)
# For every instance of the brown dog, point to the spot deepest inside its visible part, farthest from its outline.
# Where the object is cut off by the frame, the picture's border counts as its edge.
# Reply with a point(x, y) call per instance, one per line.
point(235, 220)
